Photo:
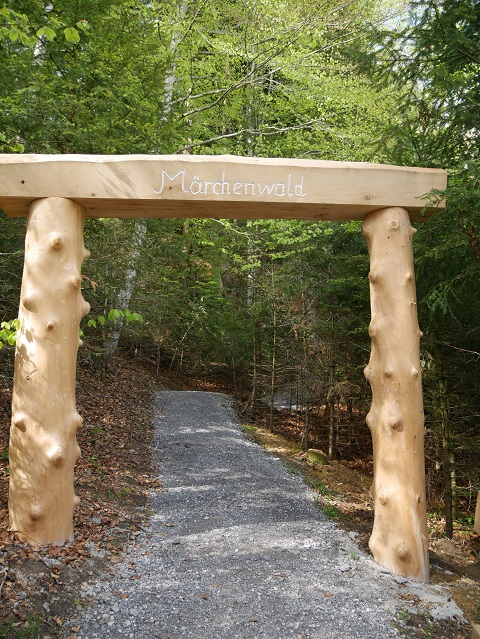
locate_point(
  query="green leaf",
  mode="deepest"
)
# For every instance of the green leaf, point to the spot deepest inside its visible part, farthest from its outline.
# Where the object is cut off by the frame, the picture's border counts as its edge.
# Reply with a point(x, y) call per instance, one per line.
point(115, 314)
point(101, 320)
point(83, 26)
point(92, 323)
point(71, 35)
point(48, 32)
point(133, 317)
point(13, 34)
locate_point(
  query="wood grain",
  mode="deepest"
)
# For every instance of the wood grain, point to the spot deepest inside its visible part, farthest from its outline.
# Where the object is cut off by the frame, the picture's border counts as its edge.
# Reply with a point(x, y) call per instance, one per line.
point(215, 186)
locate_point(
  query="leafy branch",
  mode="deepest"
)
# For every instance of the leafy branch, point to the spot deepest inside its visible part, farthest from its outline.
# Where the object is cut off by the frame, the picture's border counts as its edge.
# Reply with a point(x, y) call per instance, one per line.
point(8, 332)
point(16, 27)
point(113, 315)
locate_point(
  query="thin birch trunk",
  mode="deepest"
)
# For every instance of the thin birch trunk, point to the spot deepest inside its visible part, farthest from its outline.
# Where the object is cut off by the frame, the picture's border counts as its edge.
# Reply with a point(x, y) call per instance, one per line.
point(125, 294)
point(448, 460)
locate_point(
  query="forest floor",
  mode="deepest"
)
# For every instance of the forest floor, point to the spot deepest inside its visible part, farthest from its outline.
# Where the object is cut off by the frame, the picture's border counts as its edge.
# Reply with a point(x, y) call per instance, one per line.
point(40, 587)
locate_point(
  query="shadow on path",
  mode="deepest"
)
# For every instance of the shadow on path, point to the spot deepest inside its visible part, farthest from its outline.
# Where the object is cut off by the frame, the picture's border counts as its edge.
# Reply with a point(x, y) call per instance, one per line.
point(236, 547)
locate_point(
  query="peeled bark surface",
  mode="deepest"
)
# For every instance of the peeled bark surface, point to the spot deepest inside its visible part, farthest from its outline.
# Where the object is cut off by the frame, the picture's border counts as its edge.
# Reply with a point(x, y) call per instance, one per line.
point(399, 537)
point(43, 444)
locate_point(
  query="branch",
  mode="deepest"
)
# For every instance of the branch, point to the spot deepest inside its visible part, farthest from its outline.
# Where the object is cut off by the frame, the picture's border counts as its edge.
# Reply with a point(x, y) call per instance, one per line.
point(462, 350)
point(271, 130)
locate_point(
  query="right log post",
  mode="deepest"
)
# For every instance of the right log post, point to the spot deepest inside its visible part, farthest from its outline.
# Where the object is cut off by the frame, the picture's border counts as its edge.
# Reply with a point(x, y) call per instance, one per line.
point(399, 539)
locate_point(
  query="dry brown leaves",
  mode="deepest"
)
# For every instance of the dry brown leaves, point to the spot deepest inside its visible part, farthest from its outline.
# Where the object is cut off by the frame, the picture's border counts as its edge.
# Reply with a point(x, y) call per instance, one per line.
point(112, 478)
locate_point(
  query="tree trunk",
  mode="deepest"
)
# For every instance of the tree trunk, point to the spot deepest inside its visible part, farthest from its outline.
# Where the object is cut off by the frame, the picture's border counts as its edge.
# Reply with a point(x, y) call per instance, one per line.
point(256, 362)
point(332, 431)
point(332, 435)
point(448, 460)
point(43, 443)
point(399, 537)
point(125, 295)
point(273, 361)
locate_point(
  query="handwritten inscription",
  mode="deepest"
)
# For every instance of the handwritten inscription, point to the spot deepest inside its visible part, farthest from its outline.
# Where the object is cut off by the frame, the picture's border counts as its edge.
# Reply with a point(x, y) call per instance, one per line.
point(224, 186)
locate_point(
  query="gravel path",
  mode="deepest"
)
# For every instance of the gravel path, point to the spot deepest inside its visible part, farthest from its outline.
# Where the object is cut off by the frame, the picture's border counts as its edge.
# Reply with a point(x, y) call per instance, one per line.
point(236, 549)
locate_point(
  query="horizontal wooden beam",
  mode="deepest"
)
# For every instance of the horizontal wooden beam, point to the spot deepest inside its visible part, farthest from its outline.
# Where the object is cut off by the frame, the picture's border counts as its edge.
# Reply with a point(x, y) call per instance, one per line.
point(227, 186)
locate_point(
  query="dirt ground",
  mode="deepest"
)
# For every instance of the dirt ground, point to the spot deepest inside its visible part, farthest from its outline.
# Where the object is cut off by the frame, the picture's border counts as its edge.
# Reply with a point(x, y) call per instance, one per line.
point(343, 493)
point(39, 588)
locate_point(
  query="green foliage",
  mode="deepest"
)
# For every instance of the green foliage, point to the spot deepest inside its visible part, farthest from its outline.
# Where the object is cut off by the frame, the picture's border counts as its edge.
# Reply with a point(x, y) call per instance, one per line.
point(113, 315)
point(318, 485)
point(8, 332)
point(316, 458)
point(18, 28)
point(249, 428)
point(476, 614)
point(15, 26)
point(266, 303)
point(332, 512)
point(28, 630)
point(10, 146)
point(434, 60)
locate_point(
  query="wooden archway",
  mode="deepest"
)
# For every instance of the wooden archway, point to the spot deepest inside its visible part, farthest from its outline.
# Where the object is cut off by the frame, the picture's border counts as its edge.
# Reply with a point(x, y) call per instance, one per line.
point(57, 192)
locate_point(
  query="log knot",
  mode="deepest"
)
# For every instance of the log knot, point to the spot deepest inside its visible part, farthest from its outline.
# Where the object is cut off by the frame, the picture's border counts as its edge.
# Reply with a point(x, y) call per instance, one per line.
point(383, 498)
point(20, 422)
point(56, 241)
point(396, 423)
point(76, 281)
point(373, 330)
point(56, 455)
point(51, 323)
point(30, 301)
point(77, 421)
point(403, 552)
point(36, 512)
point(84, 308)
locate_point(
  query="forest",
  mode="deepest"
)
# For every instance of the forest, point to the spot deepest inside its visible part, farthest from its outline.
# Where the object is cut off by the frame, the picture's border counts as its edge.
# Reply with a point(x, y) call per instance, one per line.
point(276, 311)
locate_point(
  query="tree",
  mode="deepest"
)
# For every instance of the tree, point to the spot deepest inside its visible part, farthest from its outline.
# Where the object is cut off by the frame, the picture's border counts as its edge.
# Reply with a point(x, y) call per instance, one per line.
point(434, 60)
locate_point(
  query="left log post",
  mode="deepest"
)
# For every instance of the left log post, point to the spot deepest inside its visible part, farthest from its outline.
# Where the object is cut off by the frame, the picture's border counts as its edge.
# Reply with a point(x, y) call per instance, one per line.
point(43, 444)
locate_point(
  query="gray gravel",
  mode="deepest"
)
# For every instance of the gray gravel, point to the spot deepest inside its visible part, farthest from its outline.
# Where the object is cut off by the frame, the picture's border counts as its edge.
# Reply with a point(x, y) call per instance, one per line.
point(238, 549)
